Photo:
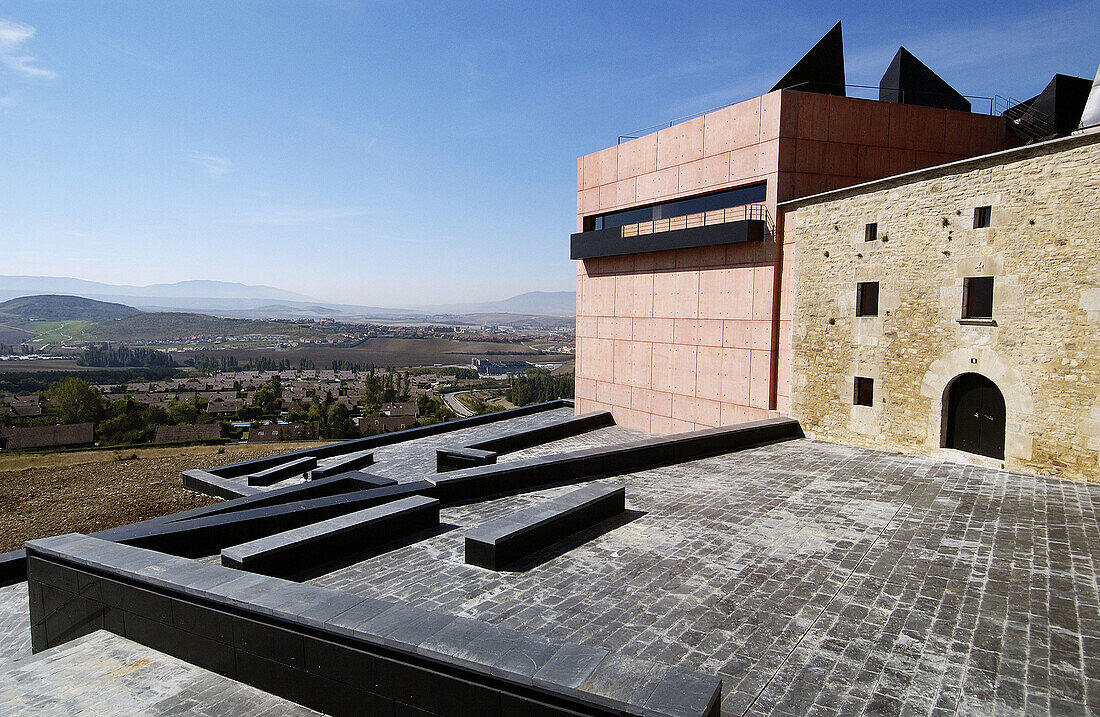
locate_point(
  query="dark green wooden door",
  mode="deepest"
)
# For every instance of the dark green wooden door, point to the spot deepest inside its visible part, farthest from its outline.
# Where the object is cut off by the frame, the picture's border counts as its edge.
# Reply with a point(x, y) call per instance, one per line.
point(976, 416)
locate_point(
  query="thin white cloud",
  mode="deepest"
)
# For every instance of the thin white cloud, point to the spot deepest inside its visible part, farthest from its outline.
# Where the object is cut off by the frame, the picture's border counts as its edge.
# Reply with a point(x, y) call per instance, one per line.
point(215, 166)
point(13, 36)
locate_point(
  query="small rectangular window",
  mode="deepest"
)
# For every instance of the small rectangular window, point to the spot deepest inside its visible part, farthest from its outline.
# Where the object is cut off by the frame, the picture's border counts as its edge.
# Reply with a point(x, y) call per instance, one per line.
point(978, 297)
point(867, 298)
point(982, 216)
point(864, 391)
point(870, 233)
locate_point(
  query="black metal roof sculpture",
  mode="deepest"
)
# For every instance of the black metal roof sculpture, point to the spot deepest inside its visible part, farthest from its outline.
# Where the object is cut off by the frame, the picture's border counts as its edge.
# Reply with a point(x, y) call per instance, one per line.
point(821, 69)
point(909, 81)
point(1054, 112)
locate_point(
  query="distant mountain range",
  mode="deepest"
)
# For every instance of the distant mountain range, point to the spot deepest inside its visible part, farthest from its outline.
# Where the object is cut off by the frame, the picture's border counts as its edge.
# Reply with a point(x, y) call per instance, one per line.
point(245, 301)
point(541, 303)
point(64, 308)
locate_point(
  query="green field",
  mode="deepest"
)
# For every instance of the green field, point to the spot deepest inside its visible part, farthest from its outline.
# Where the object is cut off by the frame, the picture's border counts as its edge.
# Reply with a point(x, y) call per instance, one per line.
point(398, 352)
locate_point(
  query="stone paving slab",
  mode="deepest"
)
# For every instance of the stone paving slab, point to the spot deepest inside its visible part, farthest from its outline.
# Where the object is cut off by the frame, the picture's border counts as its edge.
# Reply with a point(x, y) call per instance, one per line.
point(103, 674)
point(15, 624)
point(813, 578)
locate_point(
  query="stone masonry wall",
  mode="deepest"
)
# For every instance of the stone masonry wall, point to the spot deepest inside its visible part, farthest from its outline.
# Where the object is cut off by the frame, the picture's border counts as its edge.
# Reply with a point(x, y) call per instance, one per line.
point(1043, 351)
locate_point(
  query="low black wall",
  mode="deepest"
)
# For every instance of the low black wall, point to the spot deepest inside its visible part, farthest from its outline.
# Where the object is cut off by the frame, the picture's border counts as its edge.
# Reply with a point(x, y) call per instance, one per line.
point(336, 652)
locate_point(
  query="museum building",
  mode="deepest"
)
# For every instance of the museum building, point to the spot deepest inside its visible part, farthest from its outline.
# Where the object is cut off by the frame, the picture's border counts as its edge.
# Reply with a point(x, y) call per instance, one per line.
point(695, 293)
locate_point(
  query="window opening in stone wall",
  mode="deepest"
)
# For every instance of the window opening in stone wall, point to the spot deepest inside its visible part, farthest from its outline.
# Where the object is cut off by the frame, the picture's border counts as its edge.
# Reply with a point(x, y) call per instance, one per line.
point(978, 297)
point(867, 298)
point(982, 216)
point(864, 391)
point(870, 233)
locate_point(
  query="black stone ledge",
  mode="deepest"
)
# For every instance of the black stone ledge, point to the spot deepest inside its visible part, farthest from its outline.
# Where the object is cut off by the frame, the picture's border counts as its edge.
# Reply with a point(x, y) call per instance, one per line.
point(565, 428)
point(344, 464)
point(589, 463)
point(453, 459)
point(310, 545)
point(485, 452)
point(13, 567)
point(500, 542)
point(322, 641)
point(282, 471)
point(212, 481)
point(233, 470)
point(209, 534)
point(610, 242)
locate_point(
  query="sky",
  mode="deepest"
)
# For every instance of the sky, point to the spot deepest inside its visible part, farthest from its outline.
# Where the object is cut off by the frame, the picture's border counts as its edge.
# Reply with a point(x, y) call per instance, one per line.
point(404, 153)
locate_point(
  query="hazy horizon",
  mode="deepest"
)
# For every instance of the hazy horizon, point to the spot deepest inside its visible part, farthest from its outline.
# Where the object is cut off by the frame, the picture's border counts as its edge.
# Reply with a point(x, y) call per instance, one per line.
point(366, 154)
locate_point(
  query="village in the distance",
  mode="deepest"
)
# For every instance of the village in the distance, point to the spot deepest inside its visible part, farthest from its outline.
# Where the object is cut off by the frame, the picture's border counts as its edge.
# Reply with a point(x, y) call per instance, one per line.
point(78, 373)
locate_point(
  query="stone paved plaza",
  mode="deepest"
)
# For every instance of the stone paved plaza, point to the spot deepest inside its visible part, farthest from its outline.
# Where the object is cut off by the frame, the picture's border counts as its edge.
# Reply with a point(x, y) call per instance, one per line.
point(103, 674)
point(813, 578)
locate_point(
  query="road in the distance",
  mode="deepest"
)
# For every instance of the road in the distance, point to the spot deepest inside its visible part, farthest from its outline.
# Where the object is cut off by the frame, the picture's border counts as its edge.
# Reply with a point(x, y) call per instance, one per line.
point(451, 399)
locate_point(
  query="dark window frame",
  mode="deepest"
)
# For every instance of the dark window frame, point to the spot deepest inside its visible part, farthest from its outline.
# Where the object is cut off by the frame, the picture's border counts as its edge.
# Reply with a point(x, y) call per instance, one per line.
point(867, 294)
point(755, 193)
point(983, 217)
point(870, 231)
point(978, 297)
point(863, 391)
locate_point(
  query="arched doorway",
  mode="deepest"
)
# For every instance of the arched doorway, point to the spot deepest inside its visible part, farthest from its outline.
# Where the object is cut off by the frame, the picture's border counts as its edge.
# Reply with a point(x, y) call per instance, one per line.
point(975, 416)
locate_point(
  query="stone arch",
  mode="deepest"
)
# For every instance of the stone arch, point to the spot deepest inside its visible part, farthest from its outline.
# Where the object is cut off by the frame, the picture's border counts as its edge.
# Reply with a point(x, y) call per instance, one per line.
point(988, 363)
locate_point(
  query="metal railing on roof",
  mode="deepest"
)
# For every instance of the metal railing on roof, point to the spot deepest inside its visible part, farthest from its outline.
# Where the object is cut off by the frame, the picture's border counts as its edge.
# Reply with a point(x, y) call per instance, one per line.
point(664, 125)
point(744, 212)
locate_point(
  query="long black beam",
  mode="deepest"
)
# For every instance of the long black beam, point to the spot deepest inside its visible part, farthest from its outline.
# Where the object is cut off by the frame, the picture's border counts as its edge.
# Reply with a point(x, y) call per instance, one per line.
point(611, 242)
point(473, 483)
point(203, 536)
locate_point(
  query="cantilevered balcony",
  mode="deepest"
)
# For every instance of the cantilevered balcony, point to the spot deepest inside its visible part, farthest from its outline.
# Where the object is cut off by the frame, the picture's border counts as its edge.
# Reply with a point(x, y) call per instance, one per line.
point(733, 225)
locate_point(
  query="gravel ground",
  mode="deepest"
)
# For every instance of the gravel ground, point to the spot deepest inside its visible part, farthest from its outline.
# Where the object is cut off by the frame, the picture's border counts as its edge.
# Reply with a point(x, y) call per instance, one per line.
point(103, 490)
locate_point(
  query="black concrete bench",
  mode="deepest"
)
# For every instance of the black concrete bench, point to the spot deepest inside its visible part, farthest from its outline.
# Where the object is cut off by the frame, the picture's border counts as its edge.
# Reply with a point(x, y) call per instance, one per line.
point(485, 452)
point(322, 542)
point(282, 471)
point(453, 459)
point(503, 541)
point(588, 463)
point(207, 534)
point(337, 652)
point(343, 464)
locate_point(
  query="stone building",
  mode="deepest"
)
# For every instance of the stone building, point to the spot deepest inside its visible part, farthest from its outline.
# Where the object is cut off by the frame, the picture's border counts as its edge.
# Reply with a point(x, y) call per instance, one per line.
point(955, 311)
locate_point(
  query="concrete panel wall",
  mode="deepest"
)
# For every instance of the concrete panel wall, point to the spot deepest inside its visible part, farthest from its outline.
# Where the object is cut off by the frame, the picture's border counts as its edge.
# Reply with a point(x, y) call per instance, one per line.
point(680, 340)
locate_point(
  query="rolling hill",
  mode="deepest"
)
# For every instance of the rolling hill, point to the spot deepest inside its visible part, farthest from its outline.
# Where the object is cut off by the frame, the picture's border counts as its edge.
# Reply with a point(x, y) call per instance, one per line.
point(159, 326)
point(51, 307)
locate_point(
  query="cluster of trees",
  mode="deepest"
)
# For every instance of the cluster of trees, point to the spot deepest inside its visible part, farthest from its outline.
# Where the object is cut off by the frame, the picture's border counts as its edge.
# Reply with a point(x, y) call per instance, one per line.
point(122, 355)
point(333, 419)
point(384, 387)
point(38, 381)
point(432, 410)
point(74, 400)
point(539, 385)
point(210, 365)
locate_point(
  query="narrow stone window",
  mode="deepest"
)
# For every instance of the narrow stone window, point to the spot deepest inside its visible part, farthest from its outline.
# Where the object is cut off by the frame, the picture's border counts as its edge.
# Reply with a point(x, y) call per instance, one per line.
point(982, 215)
point(978, 297)
point(864, 391)
point(870, 232)
point(867, 298)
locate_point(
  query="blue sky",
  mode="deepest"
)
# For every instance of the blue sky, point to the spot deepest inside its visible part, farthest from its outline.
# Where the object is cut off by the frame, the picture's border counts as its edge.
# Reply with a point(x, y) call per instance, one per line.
point(400, 153)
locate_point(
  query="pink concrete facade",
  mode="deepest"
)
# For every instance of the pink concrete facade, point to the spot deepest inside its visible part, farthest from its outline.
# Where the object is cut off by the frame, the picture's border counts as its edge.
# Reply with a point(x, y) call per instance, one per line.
point(674, 341)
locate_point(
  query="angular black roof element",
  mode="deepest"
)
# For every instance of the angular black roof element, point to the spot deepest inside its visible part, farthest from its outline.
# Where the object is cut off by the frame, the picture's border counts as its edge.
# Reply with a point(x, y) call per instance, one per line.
point(1054, 112)
point(908, 81)
point(821, 69)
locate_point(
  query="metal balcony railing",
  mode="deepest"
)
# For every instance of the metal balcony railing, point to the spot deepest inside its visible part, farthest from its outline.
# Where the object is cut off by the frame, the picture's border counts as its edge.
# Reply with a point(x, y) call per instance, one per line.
point(702, 219)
